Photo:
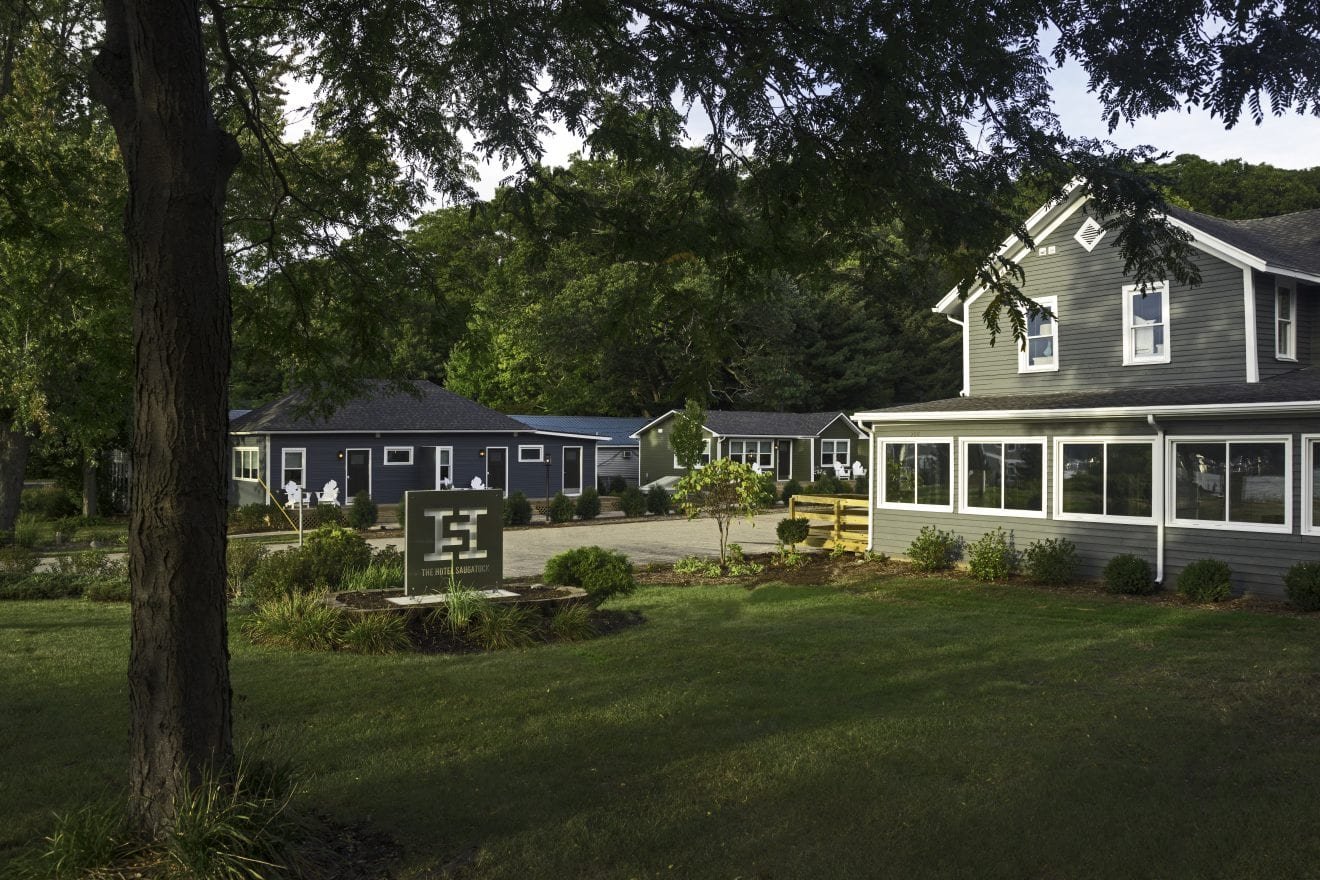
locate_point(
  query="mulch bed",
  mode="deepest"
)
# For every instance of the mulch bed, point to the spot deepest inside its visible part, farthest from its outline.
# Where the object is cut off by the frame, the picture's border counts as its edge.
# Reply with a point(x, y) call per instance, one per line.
point(374, 600)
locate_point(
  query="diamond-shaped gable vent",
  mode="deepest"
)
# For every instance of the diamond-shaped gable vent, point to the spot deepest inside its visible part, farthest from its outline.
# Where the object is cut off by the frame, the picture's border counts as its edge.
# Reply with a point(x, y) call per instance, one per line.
point(1090, 234)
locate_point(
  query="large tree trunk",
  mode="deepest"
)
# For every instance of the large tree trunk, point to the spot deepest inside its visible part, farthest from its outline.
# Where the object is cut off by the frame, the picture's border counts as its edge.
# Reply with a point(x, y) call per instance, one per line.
point(150, 75)
point(14, 445)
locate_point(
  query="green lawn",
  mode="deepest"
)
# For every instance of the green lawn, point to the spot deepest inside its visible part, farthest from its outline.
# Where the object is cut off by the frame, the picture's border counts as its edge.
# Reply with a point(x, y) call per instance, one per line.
point(911, 729)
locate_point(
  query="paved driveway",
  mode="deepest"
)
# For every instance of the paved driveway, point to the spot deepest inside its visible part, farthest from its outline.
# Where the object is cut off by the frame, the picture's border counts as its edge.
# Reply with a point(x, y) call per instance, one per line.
point(526, 550)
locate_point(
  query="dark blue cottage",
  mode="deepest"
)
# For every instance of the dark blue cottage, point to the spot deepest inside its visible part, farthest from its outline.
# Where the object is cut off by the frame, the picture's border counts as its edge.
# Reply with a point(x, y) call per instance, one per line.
point(389, 441)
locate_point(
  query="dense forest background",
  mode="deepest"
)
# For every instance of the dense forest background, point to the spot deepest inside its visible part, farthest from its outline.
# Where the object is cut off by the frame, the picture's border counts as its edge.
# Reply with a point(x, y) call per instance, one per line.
point(614, 287)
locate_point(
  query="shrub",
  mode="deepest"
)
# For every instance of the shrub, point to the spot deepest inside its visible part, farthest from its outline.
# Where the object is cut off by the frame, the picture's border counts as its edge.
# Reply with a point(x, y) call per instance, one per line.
point(253, 518)
point(1051, 561)
point(27, 531)
point(401, 512)
point(791, 488)
point(388, 556)
point(241, 561)
point(738, 565)
point(379, 633)
point(572, 623)
point(94, 565)
point(499, 626)
point(934, 549)
point(992, 557)
point(1128, 574)
point(657, 501)
point(108, 590)
point(300, 620)
point(43, 585)
point(616, 485)
point(860, 486)
point(602, 573)
point(769, 490)
point(792, 532)
point(588, 504)
point(1302, 584)
point(49, 502)
point(632, 502)
point(561, 508)
point(335, 554)
point(699, 566)
point(362, 512)
point(278, 574)
point(828, 484)
point(17, 561)
point(1206, 580)
point(517, 510)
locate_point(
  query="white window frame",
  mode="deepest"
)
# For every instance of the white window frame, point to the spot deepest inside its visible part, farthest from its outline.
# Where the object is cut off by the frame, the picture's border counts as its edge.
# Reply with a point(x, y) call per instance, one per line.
point(847, 454)
point(1309, 484)
point(284, 465)
point(753, 448)
point(705, 456)
point(1059, 443)
point(1024, 352)
point(537, 458)
point(238, 463)
point(1290, 289)
point(964, 507)
point(882, 478)
point(385, 456)
point(449, 452)
point(1130, 358)
point(1088, 235)
point(1171, 485)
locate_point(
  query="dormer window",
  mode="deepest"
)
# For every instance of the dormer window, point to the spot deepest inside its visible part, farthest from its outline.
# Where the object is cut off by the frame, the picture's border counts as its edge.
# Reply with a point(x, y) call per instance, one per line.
point(1285, 324)
point(1041, 351)
point(1146, 323)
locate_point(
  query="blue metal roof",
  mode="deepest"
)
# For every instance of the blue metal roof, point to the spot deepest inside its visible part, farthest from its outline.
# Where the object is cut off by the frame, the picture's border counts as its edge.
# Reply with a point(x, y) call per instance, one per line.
point(613, 429)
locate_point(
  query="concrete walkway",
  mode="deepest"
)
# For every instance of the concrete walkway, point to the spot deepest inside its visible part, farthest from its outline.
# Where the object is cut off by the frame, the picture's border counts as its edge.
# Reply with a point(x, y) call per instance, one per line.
point(649, 540)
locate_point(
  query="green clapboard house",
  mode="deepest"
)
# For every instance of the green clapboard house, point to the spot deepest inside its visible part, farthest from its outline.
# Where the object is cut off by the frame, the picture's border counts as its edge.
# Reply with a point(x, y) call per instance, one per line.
point(1177, 423)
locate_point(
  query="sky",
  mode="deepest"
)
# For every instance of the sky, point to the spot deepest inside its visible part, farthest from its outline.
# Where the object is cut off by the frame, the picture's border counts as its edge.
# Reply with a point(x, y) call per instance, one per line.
point(1290, 141)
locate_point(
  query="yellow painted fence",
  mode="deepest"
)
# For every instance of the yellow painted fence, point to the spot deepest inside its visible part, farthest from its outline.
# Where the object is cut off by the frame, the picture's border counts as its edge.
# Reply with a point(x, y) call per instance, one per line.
point(835, 520)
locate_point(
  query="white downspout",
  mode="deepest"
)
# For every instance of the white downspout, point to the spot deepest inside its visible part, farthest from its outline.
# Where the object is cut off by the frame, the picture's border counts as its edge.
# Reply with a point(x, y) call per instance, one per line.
point(1158, 498)
point(966, 353)
point(872, 493)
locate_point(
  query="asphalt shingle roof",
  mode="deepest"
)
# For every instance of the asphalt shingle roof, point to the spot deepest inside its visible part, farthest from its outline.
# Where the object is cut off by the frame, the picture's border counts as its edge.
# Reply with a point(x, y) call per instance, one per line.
point(613, 430)
point(729, 423)
point(381, 408)
point(1288, 241)
point(1299, 385)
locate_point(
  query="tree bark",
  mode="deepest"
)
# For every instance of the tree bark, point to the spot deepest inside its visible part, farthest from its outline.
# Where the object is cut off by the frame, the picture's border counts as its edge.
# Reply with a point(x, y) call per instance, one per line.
point(150, 75)
point(89, 490)
point(14, 446)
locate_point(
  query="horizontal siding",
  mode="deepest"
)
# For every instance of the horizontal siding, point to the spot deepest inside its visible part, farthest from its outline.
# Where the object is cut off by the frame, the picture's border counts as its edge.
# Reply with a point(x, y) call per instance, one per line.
point(1206, 333)
point(389, 482)
point(1306, 299)
point(1258, 559)
point(612, 463)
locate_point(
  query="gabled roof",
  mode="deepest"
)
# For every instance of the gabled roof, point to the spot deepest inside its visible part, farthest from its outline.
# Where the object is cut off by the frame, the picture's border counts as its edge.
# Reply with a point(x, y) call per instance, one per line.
point(1288, 244)
point(743, 423)
point(380, 408)
point(1298, 390)
point(612, 430)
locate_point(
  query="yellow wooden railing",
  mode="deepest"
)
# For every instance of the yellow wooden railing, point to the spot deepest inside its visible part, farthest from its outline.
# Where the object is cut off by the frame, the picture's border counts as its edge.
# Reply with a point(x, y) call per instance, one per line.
point(835, 521)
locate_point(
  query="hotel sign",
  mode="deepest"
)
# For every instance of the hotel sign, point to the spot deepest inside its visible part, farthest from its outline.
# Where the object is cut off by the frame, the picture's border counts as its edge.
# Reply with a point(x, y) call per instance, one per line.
point(458, 532)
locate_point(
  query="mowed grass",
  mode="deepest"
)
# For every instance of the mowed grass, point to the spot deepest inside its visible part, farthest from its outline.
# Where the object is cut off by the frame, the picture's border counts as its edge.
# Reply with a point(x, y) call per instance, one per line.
point(910, 728)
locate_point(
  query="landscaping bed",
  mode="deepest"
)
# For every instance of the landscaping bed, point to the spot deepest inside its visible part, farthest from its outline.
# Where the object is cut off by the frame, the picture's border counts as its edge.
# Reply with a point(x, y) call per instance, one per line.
point(528, 592)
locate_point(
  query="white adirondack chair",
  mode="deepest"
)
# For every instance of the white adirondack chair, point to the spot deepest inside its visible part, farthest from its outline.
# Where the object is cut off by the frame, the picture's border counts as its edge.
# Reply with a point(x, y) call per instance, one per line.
point(841, 470)
point(477, 483)
point(294, 493)
point(858, 470)
point(330, 493)
point(756, 468)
